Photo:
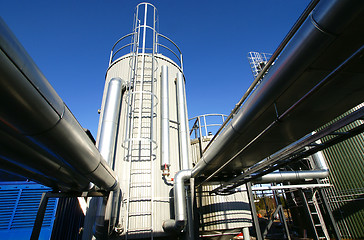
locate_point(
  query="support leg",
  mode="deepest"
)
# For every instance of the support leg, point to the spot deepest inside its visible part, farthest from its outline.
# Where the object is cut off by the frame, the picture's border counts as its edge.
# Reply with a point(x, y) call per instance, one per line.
point(254, 211)
point(40, 216)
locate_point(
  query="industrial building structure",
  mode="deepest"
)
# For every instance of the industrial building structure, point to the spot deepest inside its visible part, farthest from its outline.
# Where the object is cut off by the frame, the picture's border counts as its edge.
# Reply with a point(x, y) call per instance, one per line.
point(152, 173)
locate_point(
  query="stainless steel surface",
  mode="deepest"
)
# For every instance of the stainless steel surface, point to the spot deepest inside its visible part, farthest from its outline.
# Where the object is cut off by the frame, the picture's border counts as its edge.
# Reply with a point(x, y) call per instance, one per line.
point(180, 207)
point(165, 163)
point(292, 186)
point(180, 195)
point(106, 145)
point(146, 194)
point(278, 51)
point(320, 171)
point(37, 164)
point(309, 56)
point(319, 161)
point(282, 176)
point(42, 121)
point(183, 125)
point(300, 149)
point(110, 120)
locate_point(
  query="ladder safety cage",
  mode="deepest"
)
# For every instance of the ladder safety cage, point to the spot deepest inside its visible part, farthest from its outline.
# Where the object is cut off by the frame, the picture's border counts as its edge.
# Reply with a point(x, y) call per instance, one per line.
point(142, 48)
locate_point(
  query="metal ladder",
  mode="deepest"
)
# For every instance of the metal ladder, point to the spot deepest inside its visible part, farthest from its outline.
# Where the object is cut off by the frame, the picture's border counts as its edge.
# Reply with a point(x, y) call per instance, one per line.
point(141, 147)
point(316, 218)
point(139, 139)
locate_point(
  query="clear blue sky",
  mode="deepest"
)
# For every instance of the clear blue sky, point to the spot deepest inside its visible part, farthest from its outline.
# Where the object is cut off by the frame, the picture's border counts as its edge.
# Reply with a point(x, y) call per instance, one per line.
point(70, 41)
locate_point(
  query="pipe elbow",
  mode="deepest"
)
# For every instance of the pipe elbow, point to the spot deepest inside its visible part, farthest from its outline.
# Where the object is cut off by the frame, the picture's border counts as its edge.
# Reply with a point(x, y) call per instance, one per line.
point(173, 226)
point(182, 176)
point(178, 224)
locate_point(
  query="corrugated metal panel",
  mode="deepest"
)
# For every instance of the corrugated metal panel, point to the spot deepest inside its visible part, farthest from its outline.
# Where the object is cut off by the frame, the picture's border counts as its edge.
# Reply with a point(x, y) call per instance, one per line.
point(69, 220)
point(218, 213)
point(8, 202)
point(19, 205)
point(346, 197)
point(162, 208)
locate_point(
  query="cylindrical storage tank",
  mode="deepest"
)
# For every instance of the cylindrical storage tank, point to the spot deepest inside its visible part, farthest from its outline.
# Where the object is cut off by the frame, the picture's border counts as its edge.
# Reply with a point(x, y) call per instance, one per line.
point(221, 216)
point(147, 191)
point(147, 195)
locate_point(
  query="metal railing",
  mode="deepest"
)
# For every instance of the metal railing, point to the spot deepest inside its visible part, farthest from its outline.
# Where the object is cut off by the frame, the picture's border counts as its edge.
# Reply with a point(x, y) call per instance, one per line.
point(207, 124)
point(126, 44)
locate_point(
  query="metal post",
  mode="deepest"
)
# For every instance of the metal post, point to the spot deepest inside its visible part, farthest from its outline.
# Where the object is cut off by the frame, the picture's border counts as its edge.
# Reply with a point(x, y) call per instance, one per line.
point(246, 233)
point(200, 138)
point(204, 119)
point(190, 212)
point(40, 216)
point(281, 215)
point(254, 211)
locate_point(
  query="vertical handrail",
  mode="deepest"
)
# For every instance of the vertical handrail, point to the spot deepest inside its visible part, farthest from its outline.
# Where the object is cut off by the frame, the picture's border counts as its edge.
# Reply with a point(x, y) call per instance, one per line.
point(151, 123)
point(130, 112)
point(206, 125)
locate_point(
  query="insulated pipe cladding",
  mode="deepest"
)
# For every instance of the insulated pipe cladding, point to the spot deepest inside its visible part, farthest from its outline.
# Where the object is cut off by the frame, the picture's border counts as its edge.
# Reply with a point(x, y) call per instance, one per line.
point(257, 118)
point(165, 162)
point(321, 171)
point(107, 141)
point(180, 209)
point(179, 190)
point(183, 125)
point(44, 124)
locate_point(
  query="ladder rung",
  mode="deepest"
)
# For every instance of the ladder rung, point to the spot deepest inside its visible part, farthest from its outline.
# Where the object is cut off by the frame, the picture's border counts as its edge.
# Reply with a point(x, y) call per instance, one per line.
point(140, 199)
point(140, 230)
point(140, 171)
point(140, 185)
point(316, 144)
point(135, 214)
point(338, 133)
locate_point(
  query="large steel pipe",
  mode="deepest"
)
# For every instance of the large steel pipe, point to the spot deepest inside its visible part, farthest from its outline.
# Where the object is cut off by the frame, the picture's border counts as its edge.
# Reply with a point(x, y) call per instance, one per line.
point(180, 208)
point(315, 50)
point(320, 171)
point(107, 141)
point(32, 161)
point(165, 162)
point(31, 109)
point(183, 123)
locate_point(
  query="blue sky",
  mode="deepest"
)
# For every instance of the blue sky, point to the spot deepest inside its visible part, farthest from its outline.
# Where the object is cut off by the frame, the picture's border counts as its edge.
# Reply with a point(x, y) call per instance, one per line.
point(70, 41)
